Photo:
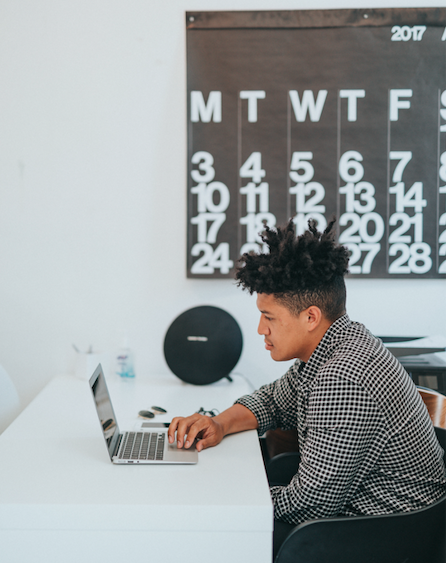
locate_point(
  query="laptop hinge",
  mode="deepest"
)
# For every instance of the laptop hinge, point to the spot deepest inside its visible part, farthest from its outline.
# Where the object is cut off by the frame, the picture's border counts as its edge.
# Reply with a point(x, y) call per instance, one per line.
point(118, 445)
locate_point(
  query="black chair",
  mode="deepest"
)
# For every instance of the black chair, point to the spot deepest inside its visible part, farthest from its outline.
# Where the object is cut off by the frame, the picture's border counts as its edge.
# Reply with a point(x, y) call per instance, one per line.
point(411, 537)
point(441, 436)
point(282, 467)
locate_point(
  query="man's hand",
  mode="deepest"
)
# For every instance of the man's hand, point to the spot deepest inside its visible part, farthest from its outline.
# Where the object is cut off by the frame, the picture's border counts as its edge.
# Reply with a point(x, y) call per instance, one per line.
point(188, 429)
point(211, 430)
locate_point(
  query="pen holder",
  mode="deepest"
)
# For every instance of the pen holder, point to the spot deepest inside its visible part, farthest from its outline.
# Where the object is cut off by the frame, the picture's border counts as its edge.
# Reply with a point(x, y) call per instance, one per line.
point(87, 363)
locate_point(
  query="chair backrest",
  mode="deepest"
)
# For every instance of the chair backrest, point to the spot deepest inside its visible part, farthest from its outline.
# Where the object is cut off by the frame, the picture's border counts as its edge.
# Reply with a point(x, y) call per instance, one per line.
point(279, 441)
point(412, 537)
point(9, 400)
point(441, 436)
point(436, 405)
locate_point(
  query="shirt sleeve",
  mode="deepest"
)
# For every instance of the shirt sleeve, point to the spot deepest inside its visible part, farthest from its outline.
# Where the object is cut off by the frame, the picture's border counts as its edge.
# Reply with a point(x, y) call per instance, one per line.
point(339, 450)
point(274, 405)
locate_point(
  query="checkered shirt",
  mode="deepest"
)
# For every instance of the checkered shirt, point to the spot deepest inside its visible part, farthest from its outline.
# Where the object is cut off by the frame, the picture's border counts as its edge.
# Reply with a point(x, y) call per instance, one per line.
point(366, 441)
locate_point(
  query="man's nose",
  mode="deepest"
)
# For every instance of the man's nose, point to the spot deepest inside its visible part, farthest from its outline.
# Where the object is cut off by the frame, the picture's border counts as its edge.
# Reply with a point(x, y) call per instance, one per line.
point(262, 328)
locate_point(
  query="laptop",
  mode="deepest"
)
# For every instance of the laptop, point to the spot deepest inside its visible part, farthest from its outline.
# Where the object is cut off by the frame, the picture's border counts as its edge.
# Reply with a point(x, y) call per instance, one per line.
point(135, 447)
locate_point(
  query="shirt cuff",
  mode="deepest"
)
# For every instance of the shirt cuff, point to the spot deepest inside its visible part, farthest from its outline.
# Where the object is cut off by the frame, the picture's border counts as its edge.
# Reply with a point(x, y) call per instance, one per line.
point(264, 418)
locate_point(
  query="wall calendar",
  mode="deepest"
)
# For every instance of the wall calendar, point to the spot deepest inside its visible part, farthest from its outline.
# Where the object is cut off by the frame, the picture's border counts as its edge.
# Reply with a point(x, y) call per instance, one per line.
point(315, 113)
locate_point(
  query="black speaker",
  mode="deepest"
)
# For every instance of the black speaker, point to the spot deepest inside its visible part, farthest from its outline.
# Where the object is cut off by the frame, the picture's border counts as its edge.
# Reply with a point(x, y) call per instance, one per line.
point(203, 345)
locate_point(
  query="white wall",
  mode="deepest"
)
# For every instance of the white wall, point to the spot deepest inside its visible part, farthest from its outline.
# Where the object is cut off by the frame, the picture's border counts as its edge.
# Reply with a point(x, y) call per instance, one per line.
point(93, 191)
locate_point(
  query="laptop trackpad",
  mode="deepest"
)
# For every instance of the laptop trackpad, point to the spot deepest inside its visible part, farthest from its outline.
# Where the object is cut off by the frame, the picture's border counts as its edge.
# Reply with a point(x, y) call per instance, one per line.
point(172, 453)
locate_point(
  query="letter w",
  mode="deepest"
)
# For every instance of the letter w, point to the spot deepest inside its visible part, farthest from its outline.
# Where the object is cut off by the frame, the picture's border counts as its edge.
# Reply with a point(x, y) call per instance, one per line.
point(308, 104)
point(200, 110)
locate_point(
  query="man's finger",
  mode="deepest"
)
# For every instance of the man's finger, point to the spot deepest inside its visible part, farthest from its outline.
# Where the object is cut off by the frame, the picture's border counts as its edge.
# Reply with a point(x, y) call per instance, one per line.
point(202, 424)
point(206, 443)
point(172, 429)
point(183, 428)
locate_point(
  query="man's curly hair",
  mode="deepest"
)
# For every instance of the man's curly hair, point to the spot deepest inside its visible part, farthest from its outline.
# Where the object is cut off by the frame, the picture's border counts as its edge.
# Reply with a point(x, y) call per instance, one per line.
point(299, 271)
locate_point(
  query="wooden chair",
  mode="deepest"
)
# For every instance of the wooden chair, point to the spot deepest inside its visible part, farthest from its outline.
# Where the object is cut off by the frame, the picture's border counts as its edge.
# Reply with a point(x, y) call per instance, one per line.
point(436, 405)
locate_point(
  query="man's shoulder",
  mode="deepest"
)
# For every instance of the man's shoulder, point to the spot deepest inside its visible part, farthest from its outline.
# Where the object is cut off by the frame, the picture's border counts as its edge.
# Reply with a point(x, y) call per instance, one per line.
point(354, 353)
point(355, 343)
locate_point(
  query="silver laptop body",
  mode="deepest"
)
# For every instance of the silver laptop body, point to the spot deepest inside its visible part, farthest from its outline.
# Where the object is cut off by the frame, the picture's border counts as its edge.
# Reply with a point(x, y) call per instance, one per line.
point(135, 447)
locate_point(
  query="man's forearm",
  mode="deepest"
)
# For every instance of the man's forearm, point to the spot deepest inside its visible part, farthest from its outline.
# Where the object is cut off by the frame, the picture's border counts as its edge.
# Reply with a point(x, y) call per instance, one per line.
point(210, 430)
point(236, 419)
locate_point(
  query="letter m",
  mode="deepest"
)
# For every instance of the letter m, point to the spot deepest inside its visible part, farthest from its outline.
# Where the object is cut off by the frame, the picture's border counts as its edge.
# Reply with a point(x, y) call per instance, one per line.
point(199, 110)
point(308, 104)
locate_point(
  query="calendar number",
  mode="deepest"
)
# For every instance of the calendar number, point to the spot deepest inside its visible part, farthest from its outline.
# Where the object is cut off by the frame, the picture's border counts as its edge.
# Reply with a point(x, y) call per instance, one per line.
point(206, 171)
point(301, 222)
point(413, 259)
point(442, 242)
point(360, 228)
point(412, 198)
point(213, 199)
point(316, 192)
point(299, 161)
point(356, 253)
point(211, 259)
point(252, 168)
point(406, 33)
point(351, 161)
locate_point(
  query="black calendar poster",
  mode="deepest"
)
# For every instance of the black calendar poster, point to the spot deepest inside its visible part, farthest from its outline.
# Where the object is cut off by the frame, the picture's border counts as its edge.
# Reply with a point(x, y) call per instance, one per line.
point(314, 114)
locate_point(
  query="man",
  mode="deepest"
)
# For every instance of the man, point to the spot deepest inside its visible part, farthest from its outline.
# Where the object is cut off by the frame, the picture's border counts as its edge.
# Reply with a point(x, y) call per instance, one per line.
point(366, 441)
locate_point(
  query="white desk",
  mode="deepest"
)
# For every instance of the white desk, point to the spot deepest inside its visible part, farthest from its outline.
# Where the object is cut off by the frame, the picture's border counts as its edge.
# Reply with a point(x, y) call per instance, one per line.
point(61, 499)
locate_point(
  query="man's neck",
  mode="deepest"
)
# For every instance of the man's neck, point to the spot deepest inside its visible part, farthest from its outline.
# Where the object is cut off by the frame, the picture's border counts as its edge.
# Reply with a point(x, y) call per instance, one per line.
point(316, 336)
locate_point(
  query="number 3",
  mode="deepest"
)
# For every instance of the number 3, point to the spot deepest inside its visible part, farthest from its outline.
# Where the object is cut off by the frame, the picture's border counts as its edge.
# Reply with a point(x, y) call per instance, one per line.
point(205, 161)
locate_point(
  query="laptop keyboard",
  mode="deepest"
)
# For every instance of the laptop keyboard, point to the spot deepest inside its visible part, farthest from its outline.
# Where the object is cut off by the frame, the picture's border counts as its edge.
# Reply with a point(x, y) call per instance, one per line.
point(143, 445)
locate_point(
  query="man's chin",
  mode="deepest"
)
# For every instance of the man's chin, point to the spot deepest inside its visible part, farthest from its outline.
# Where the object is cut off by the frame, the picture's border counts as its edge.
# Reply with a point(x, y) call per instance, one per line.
point(277, 358)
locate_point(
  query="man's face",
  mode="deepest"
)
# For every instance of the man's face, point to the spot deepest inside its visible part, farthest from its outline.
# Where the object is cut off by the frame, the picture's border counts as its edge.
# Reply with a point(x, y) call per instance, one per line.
point(286, 335)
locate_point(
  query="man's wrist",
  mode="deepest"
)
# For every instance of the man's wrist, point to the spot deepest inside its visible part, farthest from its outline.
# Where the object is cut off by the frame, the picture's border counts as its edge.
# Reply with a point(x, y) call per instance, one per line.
point(222, 421)
point(236, 419)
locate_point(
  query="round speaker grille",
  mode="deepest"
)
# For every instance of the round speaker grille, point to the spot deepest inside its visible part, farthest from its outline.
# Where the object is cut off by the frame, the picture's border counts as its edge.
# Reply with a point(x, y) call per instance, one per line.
point(203, 345)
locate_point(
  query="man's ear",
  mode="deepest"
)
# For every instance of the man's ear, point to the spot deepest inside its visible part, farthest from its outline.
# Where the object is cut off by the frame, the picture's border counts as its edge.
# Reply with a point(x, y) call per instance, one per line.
point(314, 317)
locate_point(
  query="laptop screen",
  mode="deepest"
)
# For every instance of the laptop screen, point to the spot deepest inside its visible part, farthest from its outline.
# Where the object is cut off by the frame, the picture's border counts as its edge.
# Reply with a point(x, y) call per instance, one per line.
point(104, 409)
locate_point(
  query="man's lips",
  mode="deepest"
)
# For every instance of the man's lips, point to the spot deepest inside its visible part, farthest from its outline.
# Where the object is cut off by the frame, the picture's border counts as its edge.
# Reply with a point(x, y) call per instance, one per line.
point(268, 346)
